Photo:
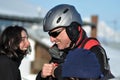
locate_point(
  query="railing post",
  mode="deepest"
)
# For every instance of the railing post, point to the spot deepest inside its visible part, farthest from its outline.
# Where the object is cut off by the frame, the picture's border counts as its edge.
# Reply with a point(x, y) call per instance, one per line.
point(94, 20)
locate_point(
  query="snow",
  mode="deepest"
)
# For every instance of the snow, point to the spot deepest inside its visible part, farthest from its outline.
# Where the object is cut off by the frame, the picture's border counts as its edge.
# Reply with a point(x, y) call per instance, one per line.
point(114, 60)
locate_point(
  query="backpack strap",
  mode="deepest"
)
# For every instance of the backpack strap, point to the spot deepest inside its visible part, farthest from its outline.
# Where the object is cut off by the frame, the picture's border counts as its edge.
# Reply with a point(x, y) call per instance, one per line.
point(88, 43)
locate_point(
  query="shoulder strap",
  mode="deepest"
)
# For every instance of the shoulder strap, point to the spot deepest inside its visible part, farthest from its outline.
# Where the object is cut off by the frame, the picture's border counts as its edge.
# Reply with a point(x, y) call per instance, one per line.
point(88, 43)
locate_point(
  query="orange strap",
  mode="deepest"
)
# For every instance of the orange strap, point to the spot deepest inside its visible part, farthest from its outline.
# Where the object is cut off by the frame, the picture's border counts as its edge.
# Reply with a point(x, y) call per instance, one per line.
point(89, 43)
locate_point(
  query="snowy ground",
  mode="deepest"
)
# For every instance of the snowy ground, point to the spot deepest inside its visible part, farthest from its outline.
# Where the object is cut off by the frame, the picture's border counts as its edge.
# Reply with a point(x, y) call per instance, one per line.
point(112, 54)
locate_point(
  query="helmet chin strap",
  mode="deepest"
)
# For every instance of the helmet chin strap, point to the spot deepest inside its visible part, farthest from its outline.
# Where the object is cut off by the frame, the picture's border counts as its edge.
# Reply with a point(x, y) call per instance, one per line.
point(71, 46)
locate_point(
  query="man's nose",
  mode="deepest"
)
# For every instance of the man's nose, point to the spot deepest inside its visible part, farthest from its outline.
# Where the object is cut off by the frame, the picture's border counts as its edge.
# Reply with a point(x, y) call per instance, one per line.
point(52, 39)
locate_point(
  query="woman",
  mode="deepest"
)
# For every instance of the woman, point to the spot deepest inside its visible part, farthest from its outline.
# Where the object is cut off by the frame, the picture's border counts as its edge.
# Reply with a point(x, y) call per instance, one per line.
point(14, 45)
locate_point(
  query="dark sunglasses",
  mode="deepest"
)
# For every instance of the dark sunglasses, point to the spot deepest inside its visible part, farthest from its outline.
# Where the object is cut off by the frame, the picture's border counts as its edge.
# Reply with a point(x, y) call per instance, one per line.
point(55, 33)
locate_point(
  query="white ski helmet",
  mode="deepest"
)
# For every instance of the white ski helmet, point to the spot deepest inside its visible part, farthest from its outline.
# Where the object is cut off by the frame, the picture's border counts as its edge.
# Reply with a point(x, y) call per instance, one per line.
point(61, 16)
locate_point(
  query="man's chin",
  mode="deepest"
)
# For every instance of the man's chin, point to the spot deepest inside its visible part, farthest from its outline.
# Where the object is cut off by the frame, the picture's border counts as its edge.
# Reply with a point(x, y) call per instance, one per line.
point(61, 48)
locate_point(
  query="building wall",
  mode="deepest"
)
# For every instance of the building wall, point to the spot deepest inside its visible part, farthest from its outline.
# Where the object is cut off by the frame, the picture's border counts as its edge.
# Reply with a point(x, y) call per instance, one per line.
point(41, 56)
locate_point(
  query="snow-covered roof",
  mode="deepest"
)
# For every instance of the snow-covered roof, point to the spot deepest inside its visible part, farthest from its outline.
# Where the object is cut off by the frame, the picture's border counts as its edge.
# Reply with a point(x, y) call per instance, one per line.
point(20, 8)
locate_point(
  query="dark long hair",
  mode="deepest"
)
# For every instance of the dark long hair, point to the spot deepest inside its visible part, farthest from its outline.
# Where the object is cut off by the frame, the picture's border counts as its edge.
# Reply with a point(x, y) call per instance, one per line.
point(10, 40)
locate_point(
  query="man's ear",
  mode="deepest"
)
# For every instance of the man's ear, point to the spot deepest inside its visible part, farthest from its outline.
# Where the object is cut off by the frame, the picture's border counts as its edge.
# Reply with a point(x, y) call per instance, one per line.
point(73, 32)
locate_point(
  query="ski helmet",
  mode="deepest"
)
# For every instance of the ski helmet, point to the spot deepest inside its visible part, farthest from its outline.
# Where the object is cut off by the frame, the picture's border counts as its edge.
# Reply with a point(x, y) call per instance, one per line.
point(61, 16)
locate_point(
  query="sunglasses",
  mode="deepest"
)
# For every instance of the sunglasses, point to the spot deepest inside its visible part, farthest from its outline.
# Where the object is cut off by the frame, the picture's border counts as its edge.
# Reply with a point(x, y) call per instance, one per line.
point(55, 33)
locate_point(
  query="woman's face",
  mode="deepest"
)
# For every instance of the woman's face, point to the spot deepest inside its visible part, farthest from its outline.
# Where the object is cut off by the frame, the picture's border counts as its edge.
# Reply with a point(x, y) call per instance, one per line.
point(24, 44)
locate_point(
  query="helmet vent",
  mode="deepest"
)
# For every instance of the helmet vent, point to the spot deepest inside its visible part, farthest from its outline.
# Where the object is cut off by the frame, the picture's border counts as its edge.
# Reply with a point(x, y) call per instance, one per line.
point(66, 10)
point(58, 19)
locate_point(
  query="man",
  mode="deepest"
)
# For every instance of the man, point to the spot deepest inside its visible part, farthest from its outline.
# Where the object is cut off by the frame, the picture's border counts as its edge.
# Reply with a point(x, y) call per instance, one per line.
point(64, 26)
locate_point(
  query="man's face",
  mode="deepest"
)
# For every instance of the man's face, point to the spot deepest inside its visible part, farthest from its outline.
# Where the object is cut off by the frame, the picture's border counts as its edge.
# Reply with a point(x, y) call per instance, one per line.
point(60, 37)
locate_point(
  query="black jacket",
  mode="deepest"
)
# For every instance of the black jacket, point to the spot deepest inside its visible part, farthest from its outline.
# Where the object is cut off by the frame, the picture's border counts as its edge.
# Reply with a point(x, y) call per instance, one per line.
point(9, 69)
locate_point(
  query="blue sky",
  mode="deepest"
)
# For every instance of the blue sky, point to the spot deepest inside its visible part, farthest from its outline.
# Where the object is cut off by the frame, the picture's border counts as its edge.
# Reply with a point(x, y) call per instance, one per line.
point(107, 10)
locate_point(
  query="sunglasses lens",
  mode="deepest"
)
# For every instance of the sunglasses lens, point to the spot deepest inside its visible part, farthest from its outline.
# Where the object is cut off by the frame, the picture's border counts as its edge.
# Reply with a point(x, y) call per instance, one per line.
point(55, 33)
